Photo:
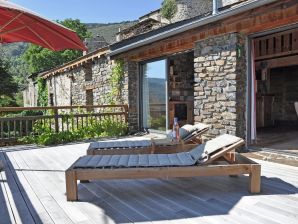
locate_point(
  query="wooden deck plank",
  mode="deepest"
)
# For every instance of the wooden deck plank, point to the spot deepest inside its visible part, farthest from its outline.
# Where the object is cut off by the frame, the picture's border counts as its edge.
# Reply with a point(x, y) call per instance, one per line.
point(88, 195)
point(221, 197)
point(210, 200)
point(6, 212)
point(54, 210)
point(21, 213)
point(32, 201)
point(136, 201)
point(56, 187)
point(130, 212)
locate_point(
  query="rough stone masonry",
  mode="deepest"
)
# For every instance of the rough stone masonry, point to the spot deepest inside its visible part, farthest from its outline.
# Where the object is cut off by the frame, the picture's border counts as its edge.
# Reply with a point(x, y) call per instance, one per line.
point(220, 84)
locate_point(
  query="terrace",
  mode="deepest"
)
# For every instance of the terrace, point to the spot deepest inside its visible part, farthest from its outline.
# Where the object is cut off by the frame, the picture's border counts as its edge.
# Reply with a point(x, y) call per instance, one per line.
point(32, 190)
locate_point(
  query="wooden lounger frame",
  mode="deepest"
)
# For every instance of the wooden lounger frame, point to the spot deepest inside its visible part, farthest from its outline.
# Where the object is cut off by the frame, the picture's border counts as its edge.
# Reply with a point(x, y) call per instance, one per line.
point(154, 148)
point(237, 164)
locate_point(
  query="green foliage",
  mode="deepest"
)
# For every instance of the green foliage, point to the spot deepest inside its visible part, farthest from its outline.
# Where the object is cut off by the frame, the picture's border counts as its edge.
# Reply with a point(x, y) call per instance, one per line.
point(168, 9)
point(158, 123)
point(7, 86)
point(42, 93)
point(116, 82)
point(41, 59)
point(44, 134)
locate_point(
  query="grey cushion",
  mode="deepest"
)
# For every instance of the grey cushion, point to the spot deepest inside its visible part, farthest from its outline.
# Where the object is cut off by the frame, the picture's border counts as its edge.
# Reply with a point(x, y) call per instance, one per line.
point(199, 152)
point(142, 160)
point(120, 143)
point(201, 126)
point(158, 160)
point(185, 130)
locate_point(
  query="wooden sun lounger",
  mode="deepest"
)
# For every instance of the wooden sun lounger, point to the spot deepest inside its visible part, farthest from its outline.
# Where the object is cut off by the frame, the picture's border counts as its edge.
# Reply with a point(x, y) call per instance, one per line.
point(154, 147)
point(85, 168)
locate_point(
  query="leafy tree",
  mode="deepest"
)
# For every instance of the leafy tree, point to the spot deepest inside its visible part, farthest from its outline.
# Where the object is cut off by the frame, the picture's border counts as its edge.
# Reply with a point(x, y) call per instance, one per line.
point(7, 86)
point(168, 9)
point(41, 59)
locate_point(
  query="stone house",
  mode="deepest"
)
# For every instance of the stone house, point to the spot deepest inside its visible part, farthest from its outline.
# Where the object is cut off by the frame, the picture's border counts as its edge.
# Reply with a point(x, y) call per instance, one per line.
point(228, 63)
point(30, 95)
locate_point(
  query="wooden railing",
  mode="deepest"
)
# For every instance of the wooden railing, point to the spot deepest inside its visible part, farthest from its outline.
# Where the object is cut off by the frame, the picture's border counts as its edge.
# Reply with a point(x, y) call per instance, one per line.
point(15, 125)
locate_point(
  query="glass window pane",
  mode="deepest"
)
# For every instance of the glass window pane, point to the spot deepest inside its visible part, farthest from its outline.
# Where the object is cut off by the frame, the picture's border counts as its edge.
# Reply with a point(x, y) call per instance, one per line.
point(154, 95)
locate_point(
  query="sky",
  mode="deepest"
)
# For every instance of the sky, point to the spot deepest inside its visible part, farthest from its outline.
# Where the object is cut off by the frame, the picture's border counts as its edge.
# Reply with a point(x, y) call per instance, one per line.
point(91, 11)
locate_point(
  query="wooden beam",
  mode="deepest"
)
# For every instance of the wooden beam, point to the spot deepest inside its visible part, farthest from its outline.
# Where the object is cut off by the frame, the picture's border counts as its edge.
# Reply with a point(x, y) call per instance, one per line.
point(162, 172)
point(78, 62)
point(278, 62)
point(268, 17)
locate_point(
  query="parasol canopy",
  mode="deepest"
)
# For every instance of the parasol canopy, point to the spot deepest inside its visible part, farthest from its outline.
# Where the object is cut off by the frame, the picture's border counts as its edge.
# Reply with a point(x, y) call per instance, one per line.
point(18, 24)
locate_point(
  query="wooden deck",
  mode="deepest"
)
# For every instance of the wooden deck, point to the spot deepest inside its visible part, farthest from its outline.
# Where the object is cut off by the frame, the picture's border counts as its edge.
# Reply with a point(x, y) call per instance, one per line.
point(32, 190)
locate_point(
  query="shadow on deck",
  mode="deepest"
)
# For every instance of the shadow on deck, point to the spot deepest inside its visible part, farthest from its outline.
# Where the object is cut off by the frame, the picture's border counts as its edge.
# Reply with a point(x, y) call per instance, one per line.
point(31, 195)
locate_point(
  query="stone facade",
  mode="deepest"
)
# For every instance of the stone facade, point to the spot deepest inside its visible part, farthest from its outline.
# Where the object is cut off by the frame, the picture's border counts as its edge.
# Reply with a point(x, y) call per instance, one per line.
point(73, 84)
point(30, 94)
point(73, 87)
point(130, 89)
point(190, 8)
point(220, 84)
point(59, 90)
point(224, 3)
point(181, 77)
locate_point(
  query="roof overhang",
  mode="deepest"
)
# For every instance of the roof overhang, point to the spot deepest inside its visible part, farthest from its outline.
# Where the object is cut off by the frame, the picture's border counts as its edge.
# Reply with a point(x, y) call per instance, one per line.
point(150, 38)
point(75, 63)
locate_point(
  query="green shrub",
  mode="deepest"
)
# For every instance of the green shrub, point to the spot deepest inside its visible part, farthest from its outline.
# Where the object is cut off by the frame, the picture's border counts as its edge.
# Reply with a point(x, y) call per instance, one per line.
point(44, 134)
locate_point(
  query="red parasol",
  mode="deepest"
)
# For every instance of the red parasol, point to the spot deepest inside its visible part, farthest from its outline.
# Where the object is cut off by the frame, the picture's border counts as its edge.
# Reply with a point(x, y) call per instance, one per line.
point(18, 24)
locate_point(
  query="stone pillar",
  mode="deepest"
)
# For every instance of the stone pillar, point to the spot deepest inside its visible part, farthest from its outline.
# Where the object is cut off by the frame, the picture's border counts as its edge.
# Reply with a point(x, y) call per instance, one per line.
point(131, 91)
point(220, 84)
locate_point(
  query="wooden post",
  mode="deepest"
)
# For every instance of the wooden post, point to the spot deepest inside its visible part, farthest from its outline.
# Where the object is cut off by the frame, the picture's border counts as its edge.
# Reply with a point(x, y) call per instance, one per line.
point(255, 179)
point(125, 113)
point(71, 185)
point(56, 120)
point(153, 146)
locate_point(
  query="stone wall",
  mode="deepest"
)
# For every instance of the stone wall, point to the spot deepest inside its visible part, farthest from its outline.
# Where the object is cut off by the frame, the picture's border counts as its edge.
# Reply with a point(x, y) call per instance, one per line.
point(30, 94)
point(59, 87)
point(190, 8)
point(220, 84)
point(130, 88)
point(181, 75)
point(284, 87)
point(69, 88)
point(224, 3)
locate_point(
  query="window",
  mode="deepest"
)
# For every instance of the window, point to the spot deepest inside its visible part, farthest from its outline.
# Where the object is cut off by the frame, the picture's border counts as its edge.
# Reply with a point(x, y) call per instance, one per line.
point(88, 71)
point(154, 95)
point(89, 97)
point(51, 99)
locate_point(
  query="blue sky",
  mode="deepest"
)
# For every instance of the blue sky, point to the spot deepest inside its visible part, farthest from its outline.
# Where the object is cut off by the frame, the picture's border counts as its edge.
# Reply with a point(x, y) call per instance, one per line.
point(91, 11)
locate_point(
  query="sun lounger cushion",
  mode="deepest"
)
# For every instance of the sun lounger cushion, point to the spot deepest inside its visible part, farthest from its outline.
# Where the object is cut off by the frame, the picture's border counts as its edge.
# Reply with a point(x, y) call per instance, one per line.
point(185, 130)
point(201, 152)
point(188, 130)
point(197, 155)
point(138, 160)
point(120, 143)
point(200, 126)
